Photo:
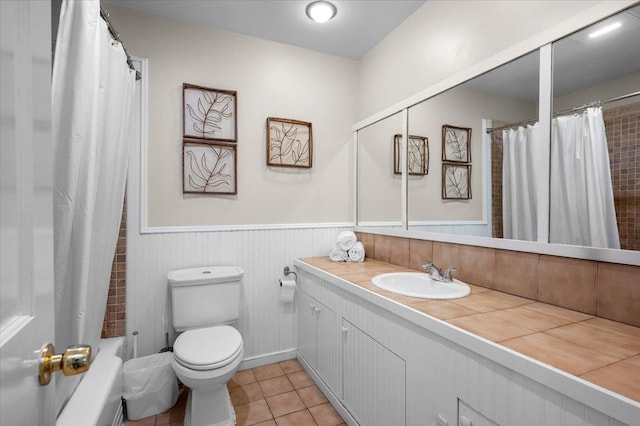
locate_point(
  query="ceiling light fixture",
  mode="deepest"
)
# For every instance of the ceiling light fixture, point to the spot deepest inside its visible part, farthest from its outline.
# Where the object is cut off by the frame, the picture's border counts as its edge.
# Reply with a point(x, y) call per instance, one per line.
point(321, 11)
point(605, 30)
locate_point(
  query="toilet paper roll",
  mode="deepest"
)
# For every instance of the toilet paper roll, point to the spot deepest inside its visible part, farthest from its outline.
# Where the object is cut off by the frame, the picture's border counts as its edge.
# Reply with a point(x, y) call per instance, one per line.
point(287, 290)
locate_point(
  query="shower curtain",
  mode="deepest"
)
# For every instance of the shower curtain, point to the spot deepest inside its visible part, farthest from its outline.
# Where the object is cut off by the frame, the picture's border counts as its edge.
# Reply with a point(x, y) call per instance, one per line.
point(92, 91)
point(522, 156)
point(581, 208)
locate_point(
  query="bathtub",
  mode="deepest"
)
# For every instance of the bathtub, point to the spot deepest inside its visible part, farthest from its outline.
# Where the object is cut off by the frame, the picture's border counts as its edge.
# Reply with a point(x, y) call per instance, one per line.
point(97, 399)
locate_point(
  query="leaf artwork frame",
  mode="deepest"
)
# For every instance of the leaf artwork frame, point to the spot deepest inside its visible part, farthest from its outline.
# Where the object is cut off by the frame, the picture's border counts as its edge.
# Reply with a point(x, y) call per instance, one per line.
point(289, 143)
point(209, 168)
point(456, 181)
point(209, 114)
point(456, 144)
point(417, 155)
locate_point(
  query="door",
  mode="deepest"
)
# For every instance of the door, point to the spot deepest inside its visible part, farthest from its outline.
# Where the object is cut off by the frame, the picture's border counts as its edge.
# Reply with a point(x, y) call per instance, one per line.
point(307, 328)
point(328, 348)
point(26, 219)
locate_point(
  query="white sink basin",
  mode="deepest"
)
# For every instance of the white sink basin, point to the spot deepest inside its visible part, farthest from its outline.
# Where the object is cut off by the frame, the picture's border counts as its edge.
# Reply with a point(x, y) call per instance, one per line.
point(419, 284)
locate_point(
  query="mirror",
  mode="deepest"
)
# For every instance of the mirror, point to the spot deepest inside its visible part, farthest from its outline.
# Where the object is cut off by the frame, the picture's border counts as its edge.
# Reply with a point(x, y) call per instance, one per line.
point(379, 188)
point(462, 194)
point(595, 152)
point(503, 188)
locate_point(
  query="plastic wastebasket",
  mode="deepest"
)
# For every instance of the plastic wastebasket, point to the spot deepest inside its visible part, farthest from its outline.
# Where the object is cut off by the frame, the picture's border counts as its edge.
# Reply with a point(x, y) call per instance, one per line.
point(149, 385)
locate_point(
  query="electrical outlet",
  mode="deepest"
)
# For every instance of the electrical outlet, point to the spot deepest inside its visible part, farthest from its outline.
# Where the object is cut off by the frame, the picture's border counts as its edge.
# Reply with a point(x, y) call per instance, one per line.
point(441, 421)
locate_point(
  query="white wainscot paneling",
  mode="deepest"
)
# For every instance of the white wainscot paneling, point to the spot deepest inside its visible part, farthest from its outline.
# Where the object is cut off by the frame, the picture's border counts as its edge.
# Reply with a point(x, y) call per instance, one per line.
point(267, 325)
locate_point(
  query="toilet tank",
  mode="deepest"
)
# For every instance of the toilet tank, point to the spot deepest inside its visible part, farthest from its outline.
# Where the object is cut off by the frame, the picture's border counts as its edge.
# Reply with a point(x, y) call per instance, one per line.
point(204, 297)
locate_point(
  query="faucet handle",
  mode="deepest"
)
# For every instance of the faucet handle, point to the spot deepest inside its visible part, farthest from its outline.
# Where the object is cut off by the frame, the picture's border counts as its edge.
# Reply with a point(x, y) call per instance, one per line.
point(447, 274)
point(427, 265)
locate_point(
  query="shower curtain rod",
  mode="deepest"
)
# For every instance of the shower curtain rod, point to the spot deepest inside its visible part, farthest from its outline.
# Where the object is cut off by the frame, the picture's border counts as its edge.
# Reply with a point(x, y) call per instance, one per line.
point(116, 36)
point(568, 111)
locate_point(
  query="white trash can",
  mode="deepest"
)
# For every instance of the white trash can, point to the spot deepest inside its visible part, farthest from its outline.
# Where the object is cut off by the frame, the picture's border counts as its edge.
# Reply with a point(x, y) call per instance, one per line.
point(149, 385)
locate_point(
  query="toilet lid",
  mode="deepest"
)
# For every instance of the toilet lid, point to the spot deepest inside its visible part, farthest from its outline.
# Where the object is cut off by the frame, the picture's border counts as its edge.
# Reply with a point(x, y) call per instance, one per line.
point(208, 348)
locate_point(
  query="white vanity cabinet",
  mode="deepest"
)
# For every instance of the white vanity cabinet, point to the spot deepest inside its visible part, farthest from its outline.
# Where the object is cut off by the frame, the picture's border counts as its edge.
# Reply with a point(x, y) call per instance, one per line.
point(319, 340)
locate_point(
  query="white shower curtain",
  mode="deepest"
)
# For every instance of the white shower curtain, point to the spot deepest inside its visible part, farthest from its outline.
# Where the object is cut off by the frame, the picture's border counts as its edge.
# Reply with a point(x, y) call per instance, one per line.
point(581, 208)
point(582, 211)
point(92, 91)
point(522, 156)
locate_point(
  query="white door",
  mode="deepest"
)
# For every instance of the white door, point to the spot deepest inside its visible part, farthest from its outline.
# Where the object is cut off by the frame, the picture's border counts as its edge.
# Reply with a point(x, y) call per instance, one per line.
point(26, 221)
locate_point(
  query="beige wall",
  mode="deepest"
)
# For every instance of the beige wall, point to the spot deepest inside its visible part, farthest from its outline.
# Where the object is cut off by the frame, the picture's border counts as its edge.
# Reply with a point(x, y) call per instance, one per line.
point(621, 86)
point(446, 37)
point(271, 79)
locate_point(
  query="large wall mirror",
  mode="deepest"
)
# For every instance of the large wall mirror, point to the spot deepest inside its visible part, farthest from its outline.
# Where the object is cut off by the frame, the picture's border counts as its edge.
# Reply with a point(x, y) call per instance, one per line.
point(576, 181)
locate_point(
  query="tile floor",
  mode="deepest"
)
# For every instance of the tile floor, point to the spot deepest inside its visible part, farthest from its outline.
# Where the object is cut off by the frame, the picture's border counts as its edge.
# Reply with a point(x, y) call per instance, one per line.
point(279, 394)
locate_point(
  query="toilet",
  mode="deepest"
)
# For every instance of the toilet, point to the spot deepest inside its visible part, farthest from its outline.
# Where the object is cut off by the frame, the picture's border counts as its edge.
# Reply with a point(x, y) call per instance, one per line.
point(208, 351)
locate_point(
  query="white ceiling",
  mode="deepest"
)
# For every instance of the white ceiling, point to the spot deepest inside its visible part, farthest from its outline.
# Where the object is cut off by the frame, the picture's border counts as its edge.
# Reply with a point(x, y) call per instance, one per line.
point(358, 26)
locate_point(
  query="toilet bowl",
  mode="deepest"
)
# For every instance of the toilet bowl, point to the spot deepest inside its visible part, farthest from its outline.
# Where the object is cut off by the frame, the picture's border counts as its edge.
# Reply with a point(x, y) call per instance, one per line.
point(205, 360)
point(208, 351)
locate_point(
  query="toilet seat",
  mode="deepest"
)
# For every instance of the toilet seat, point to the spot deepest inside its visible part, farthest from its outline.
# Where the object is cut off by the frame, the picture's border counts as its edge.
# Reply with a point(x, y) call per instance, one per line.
point(208, 348)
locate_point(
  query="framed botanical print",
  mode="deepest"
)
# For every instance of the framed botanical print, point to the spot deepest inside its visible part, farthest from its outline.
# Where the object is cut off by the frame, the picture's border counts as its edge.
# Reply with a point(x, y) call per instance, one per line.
point(289, 143)
point(417, 155)
point(209, 114)
point(456, 144)
point(456, 181)
point(209, 168)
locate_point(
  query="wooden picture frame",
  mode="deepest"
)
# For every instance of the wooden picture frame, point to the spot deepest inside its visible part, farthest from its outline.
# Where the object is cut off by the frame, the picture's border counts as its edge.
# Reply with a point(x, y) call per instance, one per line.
point(289, 143)
point(209, 168)
point(209, 114)
point(456, 144)
point(417, 155)
point(456, 181)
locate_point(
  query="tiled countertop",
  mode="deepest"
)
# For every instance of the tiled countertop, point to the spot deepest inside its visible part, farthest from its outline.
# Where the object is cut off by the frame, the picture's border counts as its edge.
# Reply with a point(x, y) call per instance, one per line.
point(597, 350)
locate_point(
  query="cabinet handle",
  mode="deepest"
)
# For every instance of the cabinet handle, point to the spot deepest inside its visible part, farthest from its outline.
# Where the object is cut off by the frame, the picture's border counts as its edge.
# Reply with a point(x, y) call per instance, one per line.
point(344, 330)
point(312, 307)
point(316, 309)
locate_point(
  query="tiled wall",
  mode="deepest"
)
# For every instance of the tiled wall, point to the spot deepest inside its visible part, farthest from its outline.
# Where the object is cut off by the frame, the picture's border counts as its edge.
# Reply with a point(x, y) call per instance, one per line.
point(606, 290)
point(496, 180)
point(114, 318)
point(623, 137)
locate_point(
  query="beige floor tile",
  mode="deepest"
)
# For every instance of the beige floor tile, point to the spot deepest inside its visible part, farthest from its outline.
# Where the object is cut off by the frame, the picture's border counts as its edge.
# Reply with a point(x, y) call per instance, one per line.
point(442, 309)
point(268, 372)
point(275, 386)
point(312, 396)
point(559, 353)
point(299, 418)
point(245, 393)
point(528, 318)
point(300, 379)
point(163, 419)
point(325, 415)
point(267, 423)
point(285, 403)
point(490, 327)
point(291, 366)
point(557, 311)
point(622, 377)
point(242, 378)
point(146, 421)
point(616, 345)
point(252, 413)
point(613, 326)
point(176, 413)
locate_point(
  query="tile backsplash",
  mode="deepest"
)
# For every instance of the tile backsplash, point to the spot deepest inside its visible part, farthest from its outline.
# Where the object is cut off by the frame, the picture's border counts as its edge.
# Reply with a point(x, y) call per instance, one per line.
point(115, 315)
point(603, 289)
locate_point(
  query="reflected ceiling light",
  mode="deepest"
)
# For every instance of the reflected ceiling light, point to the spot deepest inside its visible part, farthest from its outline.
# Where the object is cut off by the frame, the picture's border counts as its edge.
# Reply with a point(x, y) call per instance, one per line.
point(605, 30)
point(321, 11)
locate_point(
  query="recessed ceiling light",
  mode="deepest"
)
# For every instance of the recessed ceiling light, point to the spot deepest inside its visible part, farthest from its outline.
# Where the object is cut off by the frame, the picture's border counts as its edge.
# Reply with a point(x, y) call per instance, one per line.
point(321, 11)
point(605, 30)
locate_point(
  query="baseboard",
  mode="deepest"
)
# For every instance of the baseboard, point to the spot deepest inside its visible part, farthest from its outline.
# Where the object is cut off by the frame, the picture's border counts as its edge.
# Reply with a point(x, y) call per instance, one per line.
point(260, 360)
point(334, 400)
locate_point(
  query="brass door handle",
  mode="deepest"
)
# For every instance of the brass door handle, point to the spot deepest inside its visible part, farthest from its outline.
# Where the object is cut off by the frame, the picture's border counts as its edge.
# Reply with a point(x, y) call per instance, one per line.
point(75, 360)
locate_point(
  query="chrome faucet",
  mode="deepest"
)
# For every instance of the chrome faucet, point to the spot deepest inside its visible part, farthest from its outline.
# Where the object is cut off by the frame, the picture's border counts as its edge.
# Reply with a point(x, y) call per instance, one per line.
point(435, 273)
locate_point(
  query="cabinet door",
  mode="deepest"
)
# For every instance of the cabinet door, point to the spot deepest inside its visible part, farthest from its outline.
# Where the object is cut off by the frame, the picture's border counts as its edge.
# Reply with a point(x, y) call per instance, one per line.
point(307, 328)
point(373, 380)
point(328, 354)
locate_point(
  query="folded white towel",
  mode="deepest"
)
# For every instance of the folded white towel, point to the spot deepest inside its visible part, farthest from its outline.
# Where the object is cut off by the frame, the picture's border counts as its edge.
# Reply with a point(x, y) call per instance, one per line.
point(346, 240)
point(356, 253)
point(338, 255)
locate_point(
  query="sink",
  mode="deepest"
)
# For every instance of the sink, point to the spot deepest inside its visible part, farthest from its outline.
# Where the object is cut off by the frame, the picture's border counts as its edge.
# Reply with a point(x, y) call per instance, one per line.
point(419, 284)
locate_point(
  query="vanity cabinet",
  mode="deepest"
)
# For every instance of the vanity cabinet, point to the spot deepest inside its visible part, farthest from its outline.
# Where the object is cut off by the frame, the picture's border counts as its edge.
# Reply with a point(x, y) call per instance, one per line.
point(319, 340)
point(374, 379)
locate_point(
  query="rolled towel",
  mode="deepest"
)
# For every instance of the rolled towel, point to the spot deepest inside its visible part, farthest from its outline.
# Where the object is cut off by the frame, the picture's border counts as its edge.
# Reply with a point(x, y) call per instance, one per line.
point(338, 255)
point(346, 240)
point(356, 253)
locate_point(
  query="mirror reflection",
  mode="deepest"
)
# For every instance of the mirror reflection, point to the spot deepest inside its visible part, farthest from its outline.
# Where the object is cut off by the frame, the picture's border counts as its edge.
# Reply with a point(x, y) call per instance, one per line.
point(379, 188)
